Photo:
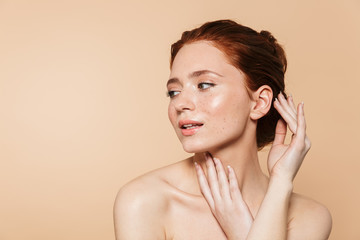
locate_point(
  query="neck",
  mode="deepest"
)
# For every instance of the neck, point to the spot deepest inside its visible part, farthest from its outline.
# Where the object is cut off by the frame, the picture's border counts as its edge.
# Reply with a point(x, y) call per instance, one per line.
point(243, 158)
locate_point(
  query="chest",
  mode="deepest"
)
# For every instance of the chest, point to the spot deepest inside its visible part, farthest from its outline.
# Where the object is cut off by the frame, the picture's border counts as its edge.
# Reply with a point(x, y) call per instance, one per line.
point(192, 222)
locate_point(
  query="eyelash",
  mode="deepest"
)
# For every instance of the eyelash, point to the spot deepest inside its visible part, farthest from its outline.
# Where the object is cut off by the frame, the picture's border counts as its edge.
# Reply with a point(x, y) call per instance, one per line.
point(205, 83)
point(172, 94)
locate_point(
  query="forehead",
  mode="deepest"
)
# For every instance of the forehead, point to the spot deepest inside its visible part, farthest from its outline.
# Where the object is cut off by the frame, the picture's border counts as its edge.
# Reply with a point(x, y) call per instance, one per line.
point(200, 55)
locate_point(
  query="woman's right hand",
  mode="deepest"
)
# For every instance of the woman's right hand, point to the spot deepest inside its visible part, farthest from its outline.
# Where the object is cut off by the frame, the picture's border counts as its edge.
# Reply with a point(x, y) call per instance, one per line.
point(223, 195)
point(284, 160)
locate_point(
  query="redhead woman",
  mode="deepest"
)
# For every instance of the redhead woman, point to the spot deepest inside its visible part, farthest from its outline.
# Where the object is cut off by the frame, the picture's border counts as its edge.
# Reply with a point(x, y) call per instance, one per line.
point(227, 101)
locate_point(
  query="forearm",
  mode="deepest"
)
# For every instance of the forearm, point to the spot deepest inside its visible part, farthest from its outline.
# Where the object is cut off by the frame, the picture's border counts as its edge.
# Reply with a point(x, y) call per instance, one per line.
point(272, 217)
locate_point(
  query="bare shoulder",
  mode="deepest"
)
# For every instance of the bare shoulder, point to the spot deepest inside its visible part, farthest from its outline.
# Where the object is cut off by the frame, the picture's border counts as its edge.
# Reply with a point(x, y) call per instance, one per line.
point(139, 208)
point(308, 219)
point(141, 205)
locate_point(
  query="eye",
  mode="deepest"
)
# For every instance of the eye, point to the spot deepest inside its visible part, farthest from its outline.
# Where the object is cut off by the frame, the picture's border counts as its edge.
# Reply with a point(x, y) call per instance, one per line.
point(205, 85)
point(172, 94)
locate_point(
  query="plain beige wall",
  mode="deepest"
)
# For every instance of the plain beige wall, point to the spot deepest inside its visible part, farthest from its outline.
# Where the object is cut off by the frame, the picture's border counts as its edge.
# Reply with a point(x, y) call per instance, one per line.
point(83, 107)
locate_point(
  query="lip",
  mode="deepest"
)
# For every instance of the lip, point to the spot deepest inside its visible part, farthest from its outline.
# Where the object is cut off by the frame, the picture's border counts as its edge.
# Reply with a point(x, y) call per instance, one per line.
point(192, 131)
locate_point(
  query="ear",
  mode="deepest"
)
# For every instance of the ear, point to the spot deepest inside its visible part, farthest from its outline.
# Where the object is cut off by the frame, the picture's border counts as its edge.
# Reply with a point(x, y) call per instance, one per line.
point(262, 99)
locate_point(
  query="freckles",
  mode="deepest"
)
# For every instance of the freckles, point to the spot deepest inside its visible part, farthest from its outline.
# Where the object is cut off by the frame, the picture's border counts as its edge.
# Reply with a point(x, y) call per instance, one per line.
point(202, 105)
point(222, 129)
point(216, 104)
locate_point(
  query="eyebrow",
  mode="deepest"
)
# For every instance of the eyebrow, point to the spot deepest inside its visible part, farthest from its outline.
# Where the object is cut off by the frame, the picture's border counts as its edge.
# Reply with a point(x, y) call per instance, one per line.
point(194, 75)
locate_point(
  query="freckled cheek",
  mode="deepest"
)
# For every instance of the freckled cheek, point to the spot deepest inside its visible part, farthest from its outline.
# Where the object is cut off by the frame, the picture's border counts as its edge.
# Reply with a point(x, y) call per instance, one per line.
point(226, 111)
point(217, 109)
point(218, 104)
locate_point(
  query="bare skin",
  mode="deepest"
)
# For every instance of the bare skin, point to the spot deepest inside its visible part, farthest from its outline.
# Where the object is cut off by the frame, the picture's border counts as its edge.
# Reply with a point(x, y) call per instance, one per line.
point(208, 201)
point(167, 204)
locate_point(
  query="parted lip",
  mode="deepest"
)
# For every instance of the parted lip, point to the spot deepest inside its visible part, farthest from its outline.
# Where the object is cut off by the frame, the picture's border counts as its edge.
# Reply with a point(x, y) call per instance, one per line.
point(188, 121)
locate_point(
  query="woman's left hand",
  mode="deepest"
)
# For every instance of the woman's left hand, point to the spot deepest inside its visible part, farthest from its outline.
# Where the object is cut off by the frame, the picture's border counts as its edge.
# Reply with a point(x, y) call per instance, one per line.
point(223, 195)
point(285, 160)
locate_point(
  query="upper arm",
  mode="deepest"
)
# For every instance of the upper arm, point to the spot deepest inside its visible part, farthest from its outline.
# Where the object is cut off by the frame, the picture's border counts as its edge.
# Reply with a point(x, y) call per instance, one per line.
point(137, 214)
point(312, 221)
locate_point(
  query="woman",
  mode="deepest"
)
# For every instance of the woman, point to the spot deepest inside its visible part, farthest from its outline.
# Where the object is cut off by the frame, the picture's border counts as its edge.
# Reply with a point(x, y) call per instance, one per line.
point(227, 101)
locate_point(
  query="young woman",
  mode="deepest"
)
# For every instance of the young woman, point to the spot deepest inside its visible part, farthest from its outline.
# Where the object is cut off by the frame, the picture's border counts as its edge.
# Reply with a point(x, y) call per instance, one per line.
point(227, 101)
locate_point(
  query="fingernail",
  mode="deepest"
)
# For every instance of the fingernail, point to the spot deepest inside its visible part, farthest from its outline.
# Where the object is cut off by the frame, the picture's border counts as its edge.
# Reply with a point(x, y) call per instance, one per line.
point(276, 100)
point(196, 165)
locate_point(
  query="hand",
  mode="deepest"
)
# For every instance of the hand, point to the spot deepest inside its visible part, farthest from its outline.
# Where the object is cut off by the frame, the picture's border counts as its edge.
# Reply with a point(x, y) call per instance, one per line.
point(223, 195)
point(285, 160)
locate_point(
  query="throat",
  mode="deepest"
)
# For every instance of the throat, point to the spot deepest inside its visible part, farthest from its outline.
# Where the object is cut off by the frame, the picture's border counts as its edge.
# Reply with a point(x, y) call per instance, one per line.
point(252, 181)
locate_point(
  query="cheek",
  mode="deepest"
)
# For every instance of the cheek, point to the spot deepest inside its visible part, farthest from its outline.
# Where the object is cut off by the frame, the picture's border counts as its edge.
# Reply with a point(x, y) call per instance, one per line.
point(218, 102)
point(225, 104)
point(211, 104)
point(171, 114)
point(228, 110)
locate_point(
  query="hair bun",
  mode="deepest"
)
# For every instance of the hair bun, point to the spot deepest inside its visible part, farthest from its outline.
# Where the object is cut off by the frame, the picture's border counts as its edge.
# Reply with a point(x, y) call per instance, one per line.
point(268, 36)
point(278, 50)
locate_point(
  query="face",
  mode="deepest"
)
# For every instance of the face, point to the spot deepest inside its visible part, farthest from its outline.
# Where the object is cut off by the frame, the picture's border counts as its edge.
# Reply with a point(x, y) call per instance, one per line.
point(209, 105)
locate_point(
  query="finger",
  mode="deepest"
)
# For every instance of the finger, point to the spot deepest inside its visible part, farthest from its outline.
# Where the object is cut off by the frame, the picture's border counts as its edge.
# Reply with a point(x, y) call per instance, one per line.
point(212, 178)
point(223, 179)
point(280, 132)
point(291, 122)
point(204, 185)
point(237, 196)
point(285, 104)
point(234, 187)
point(301, 130)
point(299, 139)
point(290, 100)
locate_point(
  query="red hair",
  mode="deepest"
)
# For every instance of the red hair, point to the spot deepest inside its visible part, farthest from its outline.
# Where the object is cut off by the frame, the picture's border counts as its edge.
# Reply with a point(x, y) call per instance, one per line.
point(257, 55)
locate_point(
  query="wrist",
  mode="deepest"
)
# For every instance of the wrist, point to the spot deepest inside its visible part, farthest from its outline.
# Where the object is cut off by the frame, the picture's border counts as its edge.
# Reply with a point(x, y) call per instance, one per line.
point(281, 184)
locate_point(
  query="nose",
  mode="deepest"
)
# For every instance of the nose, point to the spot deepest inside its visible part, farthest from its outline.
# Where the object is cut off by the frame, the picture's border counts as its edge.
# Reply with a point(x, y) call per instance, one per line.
point(185, 101)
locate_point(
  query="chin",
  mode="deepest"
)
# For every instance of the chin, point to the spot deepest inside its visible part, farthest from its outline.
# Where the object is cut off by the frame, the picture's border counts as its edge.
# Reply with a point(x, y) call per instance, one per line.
point(209, 145)
point(198, 147)
point(194, 148)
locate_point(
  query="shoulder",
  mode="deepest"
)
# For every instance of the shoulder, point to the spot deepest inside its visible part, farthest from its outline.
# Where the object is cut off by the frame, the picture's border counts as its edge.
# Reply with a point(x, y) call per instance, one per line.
point(141, 191)
point(141, 204)
point(308, 219)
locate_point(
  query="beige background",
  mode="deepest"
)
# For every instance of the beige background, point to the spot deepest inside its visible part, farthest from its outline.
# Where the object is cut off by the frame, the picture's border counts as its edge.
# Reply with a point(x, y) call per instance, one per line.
point(83, 107)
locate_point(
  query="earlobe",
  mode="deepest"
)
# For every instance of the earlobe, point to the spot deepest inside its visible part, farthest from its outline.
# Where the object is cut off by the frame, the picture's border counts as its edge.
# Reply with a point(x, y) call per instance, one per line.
point(262, 102)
